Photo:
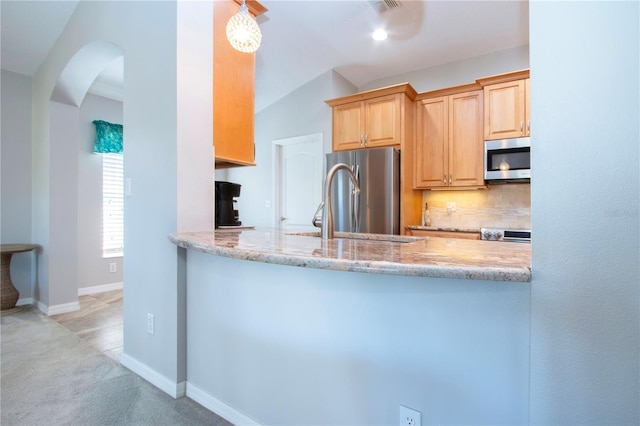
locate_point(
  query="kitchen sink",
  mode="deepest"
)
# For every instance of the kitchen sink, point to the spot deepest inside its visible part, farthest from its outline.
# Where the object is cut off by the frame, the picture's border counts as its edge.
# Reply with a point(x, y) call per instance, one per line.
point(361, 236)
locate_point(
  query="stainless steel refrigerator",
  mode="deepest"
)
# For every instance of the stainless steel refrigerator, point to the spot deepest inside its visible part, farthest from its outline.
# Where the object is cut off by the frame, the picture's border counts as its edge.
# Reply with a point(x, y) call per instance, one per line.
point(376, 209)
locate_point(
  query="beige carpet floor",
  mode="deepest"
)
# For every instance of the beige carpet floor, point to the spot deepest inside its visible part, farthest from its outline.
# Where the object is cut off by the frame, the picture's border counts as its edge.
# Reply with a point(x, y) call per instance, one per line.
point(50, 376)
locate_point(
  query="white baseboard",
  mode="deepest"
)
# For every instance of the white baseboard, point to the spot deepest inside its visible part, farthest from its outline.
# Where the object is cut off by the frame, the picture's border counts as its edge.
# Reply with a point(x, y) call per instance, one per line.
point(219, 407)
point(83, 291)
point(69, 307)
point(173, 389)
point(58, 309)
point(25, 301)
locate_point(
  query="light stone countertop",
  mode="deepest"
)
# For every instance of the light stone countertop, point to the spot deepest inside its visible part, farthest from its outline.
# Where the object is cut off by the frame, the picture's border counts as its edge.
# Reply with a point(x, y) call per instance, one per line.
point(369, 253)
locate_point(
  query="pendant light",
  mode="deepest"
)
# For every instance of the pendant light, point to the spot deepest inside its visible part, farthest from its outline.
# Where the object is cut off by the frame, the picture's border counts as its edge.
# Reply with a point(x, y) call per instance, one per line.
point(243, 31)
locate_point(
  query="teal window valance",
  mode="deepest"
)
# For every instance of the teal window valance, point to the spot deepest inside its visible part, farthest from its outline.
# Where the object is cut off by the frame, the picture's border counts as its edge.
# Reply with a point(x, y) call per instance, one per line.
point(108, 137)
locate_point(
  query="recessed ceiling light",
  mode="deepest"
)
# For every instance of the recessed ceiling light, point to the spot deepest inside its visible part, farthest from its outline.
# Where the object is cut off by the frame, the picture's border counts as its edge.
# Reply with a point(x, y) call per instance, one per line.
point(379, 35)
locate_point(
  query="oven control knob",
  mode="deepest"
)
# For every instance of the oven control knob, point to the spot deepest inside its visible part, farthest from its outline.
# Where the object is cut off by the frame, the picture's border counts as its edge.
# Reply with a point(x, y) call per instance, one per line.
point(498, 235)
point(487, 235)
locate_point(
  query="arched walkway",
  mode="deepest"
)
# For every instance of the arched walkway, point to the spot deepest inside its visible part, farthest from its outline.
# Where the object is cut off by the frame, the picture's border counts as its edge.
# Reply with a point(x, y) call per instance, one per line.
point(61, 292)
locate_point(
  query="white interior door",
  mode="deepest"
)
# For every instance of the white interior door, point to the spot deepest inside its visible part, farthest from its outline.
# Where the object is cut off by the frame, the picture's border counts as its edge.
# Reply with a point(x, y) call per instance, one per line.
point(299, 174)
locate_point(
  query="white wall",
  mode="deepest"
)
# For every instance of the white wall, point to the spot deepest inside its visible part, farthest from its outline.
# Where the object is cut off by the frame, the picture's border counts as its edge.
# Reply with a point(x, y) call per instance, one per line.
point(460, 72)
point(585, 213)
point(15, 181)
point(147, 34)
point(63, 204)
point(93, 269)
point(300, 346)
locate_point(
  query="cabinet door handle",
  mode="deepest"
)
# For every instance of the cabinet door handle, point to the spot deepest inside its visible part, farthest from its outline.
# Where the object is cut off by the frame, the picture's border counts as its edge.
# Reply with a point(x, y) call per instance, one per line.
point(450, 179)
point(528, 127)
point(361, 140)
point(444, 178)
point(521, 127)
point(366, 139)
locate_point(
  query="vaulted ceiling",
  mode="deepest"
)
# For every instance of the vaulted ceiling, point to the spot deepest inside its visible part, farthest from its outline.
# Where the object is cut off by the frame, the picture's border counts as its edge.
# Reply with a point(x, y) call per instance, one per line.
point(305, 38)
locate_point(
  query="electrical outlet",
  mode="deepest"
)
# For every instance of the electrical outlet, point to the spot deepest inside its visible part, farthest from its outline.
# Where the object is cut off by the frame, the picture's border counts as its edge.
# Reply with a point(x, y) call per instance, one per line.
point(410, 417)
point(451, 207)
point(150, 324)
point(113, 267)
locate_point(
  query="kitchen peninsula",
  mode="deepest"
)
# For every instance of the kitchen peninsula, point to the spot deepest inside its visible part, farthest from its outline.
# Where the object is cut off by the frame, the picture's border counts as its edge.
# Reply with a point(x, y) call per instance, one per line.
point(357, 326)
point(370, 253)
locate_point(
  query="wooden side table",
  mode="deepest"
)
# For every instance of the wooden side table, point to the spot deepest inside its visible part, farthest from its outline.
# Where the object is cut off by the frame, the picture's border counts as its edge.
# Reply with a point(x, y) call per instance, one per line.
point(8, 293)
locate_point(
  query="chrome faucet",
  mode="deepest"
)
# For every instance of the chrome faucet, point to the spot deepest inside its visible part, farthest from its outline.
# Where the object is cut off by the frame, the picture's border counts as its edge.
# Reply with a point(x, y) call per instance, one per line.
point(326, 221)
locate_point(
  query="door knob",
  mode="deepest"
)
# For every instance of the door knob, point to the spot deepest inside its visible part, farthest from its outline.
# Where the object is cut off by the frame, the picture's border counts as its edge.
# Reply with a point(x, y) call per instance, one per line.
point(282, 218)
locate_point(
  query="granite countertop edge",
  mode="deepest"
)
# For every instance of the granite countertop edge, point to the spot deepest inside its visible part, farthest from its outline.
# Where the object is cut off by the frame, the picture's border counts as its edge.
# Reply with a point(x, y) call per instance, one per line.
point(292, 258)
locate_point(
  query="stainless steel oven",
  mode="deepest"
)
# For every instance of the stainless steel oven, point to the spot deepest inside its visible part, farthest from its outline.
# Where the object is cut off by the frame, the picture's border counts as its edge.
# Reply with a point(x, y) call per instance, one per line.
point(507, 160)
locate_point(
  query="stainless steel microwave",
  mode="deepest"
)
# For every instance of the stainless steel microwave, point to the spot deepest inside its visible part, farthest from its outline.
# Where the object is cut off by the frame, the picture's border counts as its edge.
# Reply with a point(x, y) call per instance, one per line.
point(507, 160)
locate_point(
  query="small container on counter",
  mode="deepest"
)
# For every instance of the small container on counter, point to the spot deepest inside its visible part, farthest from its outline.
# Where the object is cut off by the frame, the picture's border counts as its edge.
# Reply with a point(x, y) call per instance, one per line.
point(426, 216)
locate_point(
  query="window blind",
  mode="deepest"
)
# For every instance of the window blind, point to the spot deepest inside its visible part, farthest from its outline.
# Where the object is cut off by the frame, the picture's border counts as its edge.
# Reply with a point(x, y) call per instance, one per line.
point(112, 205)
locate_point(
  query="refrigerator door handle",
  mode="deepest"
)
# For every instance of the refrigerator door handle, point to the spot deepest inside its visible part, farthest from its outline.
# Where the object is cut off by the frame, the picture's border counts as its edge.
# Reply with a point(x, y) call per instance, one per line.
point(355, 213)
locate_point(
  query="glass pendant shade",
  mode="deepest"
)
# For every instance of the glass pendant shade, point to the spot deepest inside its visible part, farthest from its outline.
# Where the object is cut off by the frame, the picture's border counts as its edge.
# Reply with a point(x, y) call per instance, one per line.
point(243, 31)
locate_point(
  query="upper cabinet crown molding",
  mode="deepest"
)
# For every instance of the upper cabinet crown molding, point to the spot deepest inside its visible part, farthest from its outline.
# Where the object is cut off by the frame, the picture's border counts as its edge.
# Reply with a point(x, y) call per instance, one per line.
point(447, 91)
point(477, 85)
point(405, 88)
point(503, 78)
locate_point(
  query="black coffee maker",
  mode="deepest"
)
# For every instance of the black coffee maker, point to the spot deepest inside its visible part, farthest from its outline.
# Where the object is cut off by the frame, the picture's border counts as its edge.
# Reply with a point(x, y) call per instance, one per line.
point(226, 211)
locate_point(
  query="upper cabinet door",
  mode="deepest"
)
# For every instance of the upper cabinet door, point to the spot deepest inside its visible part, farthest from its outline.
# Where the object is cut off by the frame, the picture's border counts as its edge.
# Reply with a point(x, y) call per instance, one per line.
point(505, 108)
point(348, 126)
point(382, 121)
point(449, 145)
point(432, 148)
point(466, 147)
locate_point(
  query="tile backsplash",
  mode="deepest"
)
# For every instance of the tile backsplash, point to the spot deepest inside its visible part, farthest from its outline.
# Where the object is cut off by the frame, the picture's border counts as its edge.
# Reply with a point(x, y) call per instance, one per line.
point(500, 206)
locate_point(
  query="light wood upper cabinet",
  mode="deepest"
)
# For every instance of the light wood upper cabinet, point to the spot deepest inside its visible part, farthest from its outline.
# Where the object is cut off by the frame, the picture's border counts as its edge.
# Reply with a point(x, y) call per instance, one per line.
point(507, 110)
point(367, 124)
point(233, 91)
point(371, 119)
point(449, 143)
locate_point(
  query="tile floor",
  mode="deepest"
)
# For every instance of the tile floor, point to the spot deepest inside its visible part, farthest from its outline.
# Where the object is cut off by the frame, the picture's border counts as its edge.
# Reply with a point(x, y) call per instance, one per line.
point(99, 321)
